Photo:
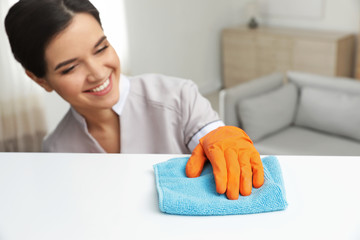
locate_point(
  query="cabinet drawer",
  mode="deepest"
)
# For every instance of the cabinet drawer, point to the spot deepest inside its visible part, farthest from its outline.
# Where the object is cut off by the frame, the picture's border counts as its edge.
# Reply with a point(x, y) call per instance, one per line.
point(264, 41)
point(273, 57)
point(314, 59)
point(309, 47)
point(235, 76)
point(283, 44)
point(238, 39)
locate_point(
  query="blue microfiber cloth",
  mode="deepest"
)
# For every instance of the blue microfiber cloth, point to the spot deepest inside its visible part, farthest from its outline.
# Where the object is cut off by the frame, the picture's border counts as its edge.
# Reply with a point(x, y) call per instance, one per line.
point(181, 195)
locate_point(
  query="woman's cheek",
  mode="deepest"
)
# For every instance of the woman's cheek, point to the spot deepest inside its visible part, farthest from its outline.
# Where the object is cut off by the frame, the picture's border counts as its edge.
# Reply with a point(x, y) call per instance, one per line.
point(70, 87)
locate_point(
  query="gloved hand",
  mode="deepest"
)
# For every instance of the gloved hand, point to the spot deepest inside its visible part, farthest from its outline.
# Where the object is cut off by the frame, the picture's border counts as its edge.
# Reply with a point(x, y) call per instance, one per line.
point(236, 163)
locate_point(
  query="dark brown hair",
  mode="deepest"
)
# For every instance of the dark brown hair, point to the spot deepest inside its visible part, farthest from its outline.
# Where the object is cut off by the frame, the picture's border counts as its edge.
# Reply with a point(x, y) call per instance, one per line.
point(31, 24)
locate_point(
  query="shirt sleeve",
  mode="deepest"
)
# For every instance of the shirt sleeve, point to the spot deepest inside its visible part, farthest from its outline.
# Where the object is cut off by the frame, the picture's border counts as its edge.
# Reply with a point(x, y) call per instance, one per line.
point(199, 118)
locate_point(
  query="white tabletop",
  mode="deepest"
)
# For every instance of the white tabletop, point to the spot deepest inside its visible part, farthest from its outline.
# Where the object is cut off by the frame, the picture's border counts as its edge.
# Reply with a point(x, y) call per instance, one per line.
point(99, 196)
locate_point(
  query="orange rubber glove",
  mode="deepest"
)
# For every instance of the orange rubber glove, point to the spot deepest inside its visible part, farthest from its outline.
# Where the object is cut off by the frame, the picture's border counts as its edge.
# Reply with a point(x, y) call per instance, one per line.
point(236, 163)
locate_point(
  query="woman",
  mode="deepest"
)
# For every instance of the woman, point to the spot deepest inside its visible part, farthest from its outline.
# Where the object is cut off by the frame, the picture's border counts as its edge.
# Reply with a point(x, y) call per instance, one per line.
point(62, 47)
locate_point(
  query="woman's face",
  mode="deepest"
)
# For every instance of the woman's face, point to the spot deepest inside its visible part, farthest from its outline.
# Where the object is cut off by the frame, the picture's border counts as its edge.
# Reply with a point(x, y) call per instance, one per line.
point(82, 66)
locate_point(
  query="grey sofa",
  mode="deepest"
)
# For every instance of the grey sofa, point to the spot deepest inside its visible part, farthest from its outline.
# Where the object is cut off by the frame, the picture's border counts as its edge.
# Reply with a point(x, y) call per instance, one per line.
point(296, 113)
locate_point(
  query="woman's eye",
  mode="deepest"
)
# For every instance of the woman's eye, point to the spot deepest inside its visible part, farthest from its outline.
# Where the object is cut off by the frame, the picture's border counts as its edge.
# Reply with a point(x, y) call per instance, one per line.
point(102, 49)
point(66, 71)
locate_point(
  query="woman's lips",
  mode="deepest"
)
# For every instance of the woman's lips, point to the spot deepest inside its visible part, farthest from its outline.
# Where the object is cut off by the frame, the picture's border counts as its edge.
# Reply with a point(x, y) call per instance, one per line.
point(102, 89)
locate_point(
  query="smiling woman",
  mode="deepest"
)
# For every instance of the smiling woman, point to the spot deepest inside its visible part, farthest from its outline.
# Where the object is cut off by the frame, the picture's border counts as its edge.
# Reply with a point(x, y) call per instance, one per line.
point(82, 67)
point(70, 54)
point(63, 48)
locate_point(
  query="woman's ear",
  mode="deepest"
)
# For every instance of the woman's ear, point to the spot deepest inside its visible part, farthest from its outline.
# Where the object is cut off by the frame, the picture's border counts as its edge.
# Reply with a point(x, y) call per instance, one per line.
point(41, 81)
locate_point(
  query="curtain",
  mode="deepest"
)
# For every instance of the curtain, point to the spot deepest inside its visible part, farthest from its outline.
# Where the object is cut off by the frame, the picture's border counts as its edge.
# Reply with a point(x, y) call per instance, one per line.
point(22, 118)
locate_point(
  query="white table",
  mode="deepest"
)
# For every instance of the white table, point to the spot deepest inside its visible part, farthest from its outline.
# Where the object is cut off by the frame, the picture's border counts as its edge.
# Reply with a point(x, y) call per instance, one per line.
point(96, 196)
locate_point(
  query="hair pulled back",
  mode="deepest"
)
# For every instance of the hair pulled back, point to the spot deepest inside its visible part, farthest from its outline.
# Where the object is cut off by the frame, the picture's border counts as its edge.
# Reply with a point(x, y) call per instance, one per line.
point(32, 24)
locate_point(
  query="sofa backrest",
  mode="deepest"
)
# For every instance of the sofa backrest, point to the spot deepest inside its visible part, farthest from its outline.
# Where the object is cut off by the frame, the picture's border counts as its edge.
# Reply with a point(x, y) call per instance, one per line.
point(328, 104)
point(342, 84)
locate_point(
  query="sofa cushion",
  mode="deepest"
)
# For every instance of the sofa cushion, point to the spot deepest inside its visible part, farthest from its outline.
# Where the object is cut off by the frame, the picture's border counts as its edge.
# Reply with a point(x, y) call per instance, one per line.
point(303, 141)
point(268, 113)
point(334, 112)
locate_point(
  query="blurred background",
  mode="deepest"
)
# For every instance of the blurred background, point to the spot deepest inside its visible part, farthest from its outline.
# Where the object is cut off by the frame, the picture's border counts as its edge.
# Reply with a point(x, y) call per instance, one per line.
point(182, 38)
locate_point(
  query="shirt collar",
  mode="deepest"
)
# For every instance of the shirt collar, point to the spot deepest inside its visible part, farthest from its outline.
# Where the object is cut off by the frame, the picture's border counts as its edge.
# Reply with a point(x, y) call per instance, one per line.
point(124, 89)
point(124, 92)
point(79, 118)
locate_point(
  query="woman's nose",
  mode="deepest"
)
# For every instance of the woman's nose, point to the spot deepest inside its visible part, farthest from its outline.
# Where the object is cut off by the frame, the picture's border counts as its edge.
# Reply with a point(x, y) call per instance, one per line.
point(96, 70)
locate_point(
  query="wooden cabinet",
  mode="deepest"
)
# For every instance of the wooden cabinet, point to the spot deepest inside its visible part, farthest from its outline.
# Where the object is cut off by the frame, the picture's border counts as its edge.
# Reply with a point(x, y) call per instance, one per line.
point(248, 54)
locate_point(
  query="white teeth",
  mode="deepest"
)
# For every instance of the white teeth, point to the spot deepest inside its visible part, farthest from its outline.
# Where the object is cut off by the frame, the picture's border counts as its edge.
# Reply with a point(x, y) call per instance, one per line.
point(102, 87)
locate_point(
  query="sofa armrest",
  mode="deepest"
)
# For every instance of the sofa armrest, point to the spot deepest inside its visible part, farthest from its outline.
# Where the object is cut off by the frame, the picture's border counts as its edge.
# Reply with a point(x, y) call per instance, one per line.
point(229, 98)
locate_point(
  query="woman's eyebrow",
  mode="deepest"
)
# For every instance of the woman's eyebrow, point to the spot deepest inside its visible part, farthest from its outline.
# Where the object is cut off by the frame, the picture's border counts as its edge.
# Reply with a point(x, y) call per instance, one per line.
point(100, 41)
point(103, 38)
point(64, 63)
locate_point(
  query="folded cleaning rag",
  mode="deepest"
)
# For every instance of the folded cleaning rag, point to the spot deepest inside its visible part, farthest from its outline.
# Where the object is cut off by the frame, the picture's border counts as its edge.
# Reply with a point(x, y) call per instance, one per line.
point(181, 195)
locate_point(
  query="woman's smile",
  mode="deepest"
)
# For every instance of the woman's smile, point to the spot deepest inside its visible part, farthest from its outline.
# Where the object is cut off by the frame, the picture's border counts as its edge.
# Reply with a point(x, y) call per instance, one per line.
point(101, 89)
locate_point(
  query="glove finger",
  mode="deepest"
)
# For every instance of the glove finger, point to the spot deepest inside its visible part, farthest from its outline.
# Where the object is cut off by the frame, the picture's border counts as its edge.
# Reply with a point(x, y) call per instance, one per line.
point(196, 162)
point(245, 174)
point(257, 169)
point(217, 160)
point(233, 174)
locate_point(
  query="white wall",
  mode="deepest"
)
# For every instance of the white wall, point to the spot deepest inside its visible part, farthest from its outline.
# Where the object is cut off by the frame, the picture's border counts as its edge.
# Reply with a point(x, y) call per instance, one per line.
point(179, 38)
point(336, 15)
point(182, 38)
